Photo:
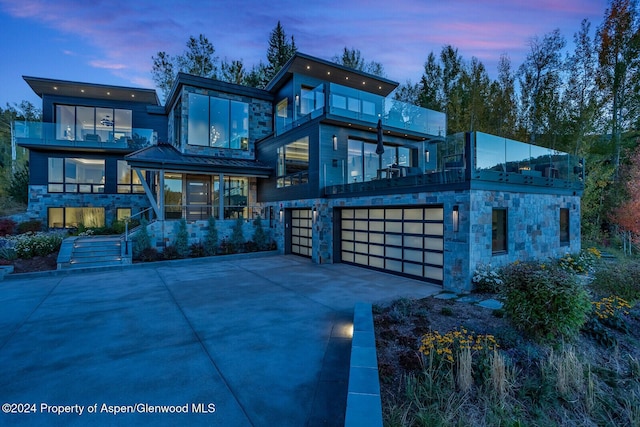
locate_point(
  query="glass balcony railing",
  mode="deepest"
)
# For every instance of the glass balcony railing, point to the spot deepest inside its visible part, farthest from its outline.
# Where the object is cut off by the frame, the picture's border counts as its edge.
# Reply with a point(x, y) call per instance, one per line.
point(50, 134)
point(356, 104)
point(353, 104)
point(495, 155)
point(454, 160)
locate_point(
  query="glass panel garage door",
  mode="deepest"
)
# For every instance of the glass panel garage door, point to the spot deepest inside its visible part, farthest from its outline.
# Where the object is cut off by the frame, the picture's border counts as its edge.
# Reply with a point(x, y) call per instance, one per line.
point(301, 232)
point(407, 241)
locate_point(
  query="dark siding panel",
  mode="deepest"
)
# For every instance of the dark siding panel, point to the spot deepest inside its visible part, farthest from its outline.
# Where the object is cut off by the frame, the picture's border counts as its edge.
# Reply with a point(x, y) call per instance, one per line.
point(267, 154)
point(38, 168)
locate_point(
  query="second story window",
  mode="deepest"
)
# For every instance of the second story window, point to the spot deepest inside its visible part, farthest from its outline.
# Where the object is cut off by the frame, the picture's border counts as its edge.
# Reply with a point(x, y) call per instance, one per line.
point(75, 175)
point(293, 163)
point(79, 123)
point(218, 122)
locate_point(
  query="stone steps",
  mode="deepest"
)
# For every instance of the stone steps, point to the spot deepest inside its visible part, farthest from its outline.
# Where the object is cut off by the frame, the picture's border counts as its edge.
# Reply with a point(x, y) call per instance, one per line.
point(91, 251)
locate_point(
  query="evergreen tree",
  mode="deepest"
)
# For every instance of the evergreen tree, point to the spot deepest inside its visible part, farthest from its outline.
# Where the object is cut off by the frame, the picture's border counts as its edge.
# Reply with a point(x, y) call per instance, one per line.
point(233, 72)
point(260, 238)
point(236, 241)
point(352, 58)
point(181, 243)
point(211, 238)
point(280, 50)
point(431, 85)
point(141, 240)
point(503, 116)
point(198, 59)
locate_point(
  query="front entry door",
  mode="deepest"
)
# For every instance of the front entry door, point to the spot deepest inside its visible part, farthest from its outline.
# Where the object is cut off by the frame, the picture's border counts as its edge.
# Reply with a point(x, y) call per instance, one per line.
point(198, 198)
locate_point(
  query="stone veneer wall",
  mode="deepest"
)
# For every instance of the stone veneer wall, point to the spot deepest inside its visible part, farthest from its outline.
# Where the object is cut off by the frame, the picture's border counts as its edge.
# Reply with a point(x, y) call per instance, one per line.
point(533, 227)
point(163, 233)
point(40, 200)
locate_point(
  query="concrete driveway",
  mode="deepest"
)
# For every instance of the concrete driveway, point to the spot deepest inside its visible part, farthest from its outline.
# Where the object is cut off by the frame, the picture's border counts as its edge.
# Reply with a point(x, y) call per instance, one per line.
point(234, 341)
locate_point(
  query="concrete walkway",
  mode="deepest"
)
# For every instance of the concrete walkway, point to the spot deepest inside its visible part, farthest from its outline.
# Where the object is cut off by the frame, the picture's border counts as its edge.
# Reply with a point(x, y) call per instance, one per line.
point(239, 341)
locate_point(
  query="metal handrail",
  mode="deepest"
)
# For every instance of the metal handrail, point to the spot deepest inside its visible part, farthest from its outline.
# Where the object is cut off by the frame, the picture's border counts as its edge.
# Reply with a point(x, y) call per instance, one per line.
point(126, 229)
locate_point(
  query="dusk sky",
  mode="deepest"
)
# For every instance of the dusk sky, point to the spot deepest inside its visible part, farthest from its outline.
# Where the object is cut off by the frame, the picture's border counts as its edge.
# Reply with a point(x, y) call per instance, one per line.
point(112, 42)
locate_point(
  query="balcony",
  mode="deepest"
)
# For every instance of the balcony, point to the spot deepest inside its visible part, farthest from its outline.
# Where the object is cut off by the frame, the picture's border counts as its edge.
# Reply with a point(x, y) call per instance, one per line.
point(356, 105)
point(38, 134)
point(460, 161)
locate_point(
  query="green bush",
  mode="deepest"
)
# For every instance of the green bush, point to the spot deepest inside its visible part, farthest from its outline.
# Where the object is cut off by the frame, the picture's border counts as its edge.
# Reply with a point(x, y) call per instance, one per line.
point(29, 245)
point(141, 240)
point(171, 252)
point(621, 279)
point(260, 238)
point(236, 241)
point(211, 239)
point(8, 254)
point(486, 279)
point(182, 239)
point(196, 250)
point(544, 301)
point(32, 226)
point(149, 254)
point(18, 188)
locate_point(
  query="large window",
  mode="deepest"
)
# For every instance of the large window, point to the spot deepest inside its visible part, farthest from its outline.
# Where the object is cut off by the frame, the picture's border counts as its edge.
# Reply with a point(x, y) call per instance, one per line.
point(235, 194)
point(128, 181)
point(499, 231)
point(76, 123)
point(364, 163)
point(173, 196)
point(293, 163)
point(564, 227)
point(218, 122)
point(74, 217)
point(75, 175)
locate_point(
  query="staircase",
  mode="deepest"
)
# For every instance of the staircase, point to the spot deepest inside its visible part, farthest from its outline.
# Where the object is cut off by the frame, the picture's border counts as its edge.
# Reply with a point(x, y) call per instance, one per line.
point(92, 251)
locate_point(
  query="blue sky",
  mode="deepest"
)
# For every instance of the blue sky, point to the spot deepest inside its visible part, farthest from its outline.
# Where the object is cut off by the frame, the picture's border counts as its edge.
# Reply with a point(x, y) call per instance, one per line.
point(112, 42)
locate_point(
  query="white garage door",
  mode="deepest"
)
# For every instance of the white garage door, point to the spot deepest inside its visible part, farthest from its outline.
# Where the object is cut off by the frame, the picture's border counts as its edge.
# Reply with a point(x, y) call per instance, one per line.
point(403, 240)
point(301, 232)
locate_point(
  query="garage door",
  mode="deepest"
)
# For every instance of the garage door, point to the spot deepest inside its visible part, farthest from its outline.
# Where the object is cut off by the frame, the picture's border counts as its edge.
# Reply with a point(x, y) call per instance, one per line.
point(301, 232)
point(407, 241)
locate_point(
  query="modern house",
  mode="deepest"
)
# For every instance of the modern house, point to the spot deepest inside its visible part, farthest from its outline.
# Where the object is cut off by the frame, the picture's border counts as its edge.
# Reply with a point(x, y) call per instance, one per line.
point(338, 170)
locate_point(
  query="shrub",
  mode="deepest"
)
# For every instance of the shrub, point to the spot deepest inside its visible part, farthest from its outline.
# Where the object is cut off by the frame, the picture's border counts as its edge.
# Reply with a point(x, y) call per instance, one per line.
point(32, 226)
point(236, 241)
point(141, 240)
point(8, 254)
point(29, 245)
point(18, 188)
point(581, 263)
point(621, 279)
point(486, 279)
point(545, 302)
point(608, 313)
point(196, 250)
point(7, 226)
point(181, 243)
point(171, 252)
point(260, 238)
point(149, 254)
point(211, 239)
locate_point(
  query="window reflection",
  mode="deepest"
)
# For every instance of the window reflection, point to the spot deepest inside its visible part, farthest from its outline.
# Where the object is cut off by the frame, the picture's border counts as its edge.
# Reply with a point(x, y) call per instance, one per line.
point(218, 122)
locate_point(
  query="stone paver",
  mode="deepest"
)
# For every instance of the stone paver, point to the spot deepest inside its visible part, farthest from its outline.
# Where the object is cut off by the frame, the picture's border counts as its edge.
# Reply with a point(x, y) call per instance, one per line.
point(250, 341)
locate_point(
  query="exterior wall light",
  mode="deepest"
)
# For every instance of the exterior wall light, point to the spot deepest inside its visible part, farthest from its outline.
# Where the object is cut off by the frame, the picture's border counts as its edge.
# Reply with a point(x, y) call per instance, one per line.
point(427, 156)
point(315, 215)
point(456, 219)
point(335, 143)
point(281, 214)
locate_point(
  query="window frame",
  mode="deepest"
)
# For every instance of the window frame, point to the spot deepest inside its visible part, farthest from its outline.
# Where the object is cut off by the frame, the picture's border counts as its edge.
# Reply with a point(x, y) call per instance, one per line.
point(565, 227)
point(73, 186)
point(499, 228)
point(223, 111)
point(285, 177)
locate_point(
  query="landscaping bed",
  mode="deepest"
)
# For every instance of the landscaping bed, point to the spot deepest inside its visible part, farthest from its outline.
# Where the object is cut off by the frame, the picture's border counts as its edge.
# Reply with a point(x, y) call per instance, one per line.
point(437, 365)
